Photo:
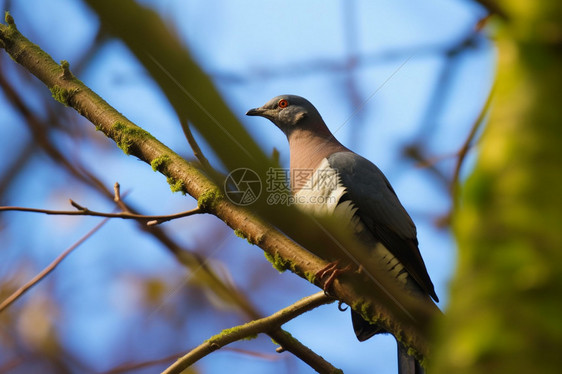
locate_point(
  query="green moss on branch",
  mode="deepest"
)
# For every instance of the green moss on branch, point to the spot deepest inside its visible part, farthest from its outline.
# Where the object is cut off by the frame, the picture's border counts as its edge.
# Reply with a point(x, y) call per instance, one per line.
point(176, 185)
point(279, 263)
point(160, 163)
point(63, 95)
point(126, 135)
point(208, 199)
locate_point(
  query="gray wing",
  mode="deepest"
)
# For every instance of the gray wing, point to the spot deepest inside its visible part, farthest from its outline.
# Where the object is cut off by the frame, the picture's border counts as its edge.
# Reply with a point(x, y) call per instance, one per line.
point(382, 213)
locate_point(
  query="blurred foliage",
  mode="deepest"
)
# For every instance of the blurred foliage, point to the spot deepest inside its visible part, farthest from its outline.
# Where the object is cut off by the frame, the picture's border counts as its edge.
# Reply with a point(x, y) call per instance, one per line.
point(505, 314)
point(190, 91)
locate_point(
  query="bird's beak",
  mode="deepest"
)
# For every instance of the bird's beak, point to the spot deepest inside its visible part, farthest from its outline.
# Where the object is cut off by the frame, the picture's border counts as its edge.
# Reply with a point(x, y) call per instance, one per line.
point(255, 112)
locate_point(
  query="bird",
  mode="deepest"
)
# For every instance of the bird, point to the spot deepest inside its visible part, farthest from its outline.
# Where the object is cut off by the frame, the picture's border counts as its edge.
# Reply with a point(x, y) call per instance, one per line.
point(361, 196)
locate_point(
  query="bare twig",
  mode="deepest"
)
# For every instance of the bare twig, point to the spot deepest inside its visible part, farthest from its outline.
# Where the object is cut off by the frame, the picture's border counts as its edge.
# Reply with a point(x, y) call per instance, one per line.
point(247, 352)
point(430, 162)
point(77, 206)
point(494, 8)
point(140, 365)
point(269, 325)
point(145, 364)
point(288, 343)
point(194, 146)
point(83, 211)
point(23, 289)
point(117, 192)
point(461, 155)
point(417, 153)
point(482, 22)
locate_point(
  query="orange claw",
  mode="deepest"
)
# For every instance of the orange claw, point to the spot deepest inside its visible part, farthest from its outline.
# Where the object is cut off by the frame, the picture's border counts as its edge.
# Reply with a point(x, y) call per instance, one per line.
point(331, 271)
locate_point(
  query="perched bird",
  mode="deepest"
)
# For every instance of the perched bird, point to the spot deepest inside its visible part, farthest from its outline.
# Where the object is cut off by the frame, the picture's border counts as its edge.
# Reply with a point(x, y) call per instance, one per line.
point(361, 195)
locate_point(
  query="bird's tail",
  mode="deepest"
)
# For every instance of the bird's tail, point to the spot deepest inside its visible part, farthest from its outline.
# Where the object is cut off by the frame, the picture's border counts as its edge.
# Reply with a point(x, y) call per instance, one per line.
point(364, 330)
point(407, 364)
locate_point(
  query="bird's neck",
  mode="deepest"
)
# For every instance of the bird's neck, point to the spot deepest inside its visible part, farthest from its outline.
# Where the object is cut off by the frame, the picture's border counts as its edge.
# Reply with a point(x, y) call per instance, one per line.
point(308, 148)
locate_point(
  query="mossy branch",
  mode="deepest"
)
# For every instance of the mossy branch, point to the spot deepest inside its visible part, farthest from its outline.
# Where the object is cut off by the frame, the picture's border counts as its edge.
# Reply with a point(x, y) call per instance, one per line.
point(270, 325)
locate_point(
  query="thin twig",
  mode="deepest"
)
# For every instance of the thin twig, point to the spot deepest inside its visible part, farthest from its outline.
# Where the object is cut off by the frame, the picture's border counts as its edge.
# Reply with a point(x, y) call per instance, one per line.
point(117, 192)
point(288, 343)
point(261, 355)
point(270, 325)
point(461, 155)
point(83, 211)
point(494, 8)
point(140, 365)
point(194, 146)
point(23, 289)
point(145, 364)
point(417, 153)
point(429, 162)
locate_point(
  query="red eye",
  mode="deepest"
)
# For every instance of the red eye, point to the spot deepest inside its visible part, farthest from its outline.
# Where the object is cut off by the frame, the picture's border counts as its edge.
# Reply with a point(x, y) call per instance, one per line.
point(283, 103)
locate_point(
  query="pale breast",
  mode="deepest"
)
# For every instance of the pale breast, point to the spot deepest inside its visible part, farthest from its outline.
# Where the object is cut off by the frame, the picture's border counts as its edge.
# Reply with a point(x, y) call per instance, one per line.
point(322, 194)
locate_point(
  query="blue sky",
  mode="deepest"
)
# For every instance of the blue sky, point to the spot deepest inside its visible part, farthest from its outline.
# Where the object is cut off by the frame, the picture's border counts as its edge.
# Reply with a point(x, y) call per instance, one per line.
point(401, 88)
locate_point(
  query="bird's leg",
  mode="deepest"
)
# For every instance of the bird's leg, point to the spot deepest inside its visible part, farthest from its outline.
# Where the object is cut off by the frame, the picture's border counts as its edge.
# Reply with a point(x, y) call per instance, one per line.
point(331, 271)
point(328, 268)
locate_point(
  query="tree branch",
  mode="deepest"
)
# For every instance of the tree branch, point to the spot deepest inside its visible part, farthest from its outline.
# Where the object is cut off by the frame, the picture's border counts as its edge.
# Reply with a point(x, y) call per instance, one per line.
point(494, 8)
point(461, 154)
point(194, 146)
point(36, 279)
point(269, 325)
point(83, 211)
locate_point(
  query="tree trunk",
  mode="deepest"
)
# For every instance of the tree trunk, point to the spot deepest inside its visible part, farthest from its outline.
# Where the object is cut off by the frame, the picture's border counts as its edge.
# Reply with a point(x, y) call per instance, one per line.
point(505, 313)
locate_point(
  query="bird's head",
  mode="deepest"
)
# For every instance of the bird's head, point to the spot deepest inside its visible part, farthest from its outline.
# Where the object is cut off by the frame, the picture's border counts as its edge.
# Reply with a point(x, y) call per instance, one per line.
point(289, 112)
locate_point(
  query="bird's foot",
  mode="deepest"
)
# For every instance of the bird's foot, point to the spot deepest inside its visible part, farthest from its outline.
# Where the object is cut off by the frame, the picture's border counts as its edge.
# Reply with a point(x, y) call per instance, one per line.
point(330, 272)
